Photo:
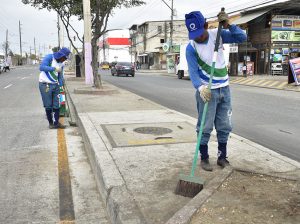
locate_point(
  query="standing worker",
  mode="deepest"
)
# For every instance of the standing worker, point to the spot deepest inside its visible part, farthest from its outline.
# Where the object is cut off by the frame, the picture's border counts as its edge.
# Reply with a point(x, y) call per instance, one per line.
point(199, 55)
point(50, 80)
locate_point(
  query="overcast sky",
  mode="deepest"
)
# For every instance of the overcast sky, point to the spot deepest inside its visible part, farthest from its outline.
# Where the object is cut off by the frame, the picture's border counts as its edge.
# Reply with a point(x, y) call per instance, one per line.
point(42, 24)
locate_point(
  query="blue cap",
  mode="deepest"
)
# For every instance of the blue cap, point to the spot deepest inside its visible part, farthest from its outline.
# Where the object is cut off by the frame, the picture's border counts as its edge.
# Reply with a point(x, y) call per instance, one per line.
point(194, 22)
point(64, 52)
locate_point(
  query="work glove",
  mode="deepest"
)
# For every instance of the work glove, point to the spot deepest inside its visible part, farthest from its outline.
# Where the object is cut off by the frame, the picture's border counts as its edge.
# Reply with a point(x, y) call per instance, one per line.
point(223, 17)
point(205, 93)
point(58, 69)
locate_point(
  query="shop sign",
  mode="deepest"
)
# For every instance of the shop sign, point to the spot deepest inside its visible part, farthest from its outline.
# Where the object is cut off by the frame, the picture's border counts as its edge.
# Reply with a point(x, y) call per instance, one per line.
point(233, 49)
point(295, 67)
point(285, 35)
point(176, 48)
point(286, 22)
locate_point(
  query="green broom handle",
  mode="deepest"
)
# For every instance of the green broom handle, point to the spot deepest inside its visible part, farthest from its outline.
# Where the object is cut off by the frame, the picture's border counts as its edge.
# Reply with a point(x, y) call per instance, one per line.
point(212, 70)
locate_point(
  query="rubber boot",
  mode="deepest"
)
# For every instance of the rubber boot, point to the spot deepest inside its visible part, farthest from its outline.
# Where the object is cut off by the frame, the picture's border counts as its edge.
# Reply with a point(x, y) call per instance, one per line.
point(222, 155)
point(205, 158)
point(56, 120)
point(49, 117)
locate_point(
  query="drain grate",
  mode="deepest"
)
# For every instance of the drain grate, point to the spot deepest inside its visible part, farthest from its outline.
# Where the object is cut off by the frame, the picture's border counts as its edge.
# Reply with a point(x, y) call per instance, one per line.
point(153, 130)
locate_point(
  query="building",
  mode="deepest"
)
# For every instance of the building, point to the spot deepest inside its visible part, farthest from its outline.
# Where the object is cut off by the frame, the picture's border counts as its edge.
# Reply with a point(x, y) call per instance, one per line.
point(273, 38)
point(115, 46)
point(151, 43)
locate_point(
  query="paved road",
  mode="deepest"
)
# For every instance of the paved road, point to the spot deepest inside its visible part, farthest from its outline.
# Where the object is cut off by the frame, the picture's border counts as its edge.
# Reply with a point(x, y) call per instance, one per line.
point(266, 116)
point(31, 187)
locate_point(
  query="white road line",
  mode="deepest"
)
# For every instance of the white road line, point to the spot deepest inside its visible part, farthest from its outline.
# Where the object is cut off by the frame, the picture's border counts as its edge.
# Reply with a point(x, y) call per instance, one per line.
point(8, 86)
point(23, 78)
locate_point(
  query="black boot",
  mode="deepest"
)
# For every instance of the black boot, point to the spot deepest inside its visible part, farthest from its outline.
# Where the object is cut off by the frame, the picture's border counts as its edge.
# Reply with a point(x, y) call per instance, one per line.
point(49, 117)
point(56, 120)
point(205, 158)
point(222, 155)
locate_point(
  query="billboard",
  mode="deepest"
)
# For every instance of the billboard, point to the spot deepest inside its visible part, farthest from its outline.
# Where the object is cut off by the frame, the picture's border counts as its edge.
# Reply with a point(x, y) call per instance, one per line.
point(286, 22)
point(285, 35)
point(286, 28)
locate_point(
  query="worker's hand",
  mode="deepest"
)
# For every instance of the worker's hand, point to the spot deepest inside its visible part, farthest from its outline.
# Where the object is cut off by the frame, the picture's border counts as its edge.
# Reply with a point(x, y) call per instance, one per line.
point(224, 19)
point(58, 69)
point(205, 93)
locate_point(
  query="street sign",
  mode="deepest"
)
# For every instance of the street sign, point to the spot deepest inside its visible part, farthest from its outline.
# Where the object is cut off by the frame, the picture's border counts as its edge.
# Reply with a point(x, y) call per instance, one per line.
point(165, 47)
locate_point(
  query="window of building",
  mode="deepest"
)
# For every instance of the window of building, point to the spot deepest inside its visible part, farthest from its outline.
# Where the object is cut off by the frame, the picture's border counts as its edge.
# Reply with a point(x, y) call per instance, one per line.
point(162, 41)
point(159, 29)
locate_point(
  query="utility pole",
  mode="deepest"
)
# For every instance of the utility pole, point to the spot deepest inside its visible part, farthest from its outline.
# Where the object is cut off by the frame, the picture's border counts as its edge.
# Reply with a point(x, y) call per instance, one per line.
point(171, 24)
point(6, 44)
point(87, 42)
point(58, 31)
point(34, 49)
point(20, 40)
point(171, 28)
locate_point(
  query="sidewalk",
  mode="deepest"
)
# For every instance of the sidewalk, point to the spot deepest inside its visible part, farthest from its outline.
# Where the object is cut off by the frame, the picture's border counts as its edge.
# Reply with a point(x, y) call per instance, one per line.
point(137, 149)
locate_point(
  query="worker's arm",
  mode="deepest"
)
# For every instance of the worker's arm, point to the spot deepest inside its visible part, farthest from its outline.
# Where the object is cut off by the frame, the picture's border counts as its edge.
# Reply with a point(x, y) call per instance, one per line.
point(233, 35)
point(193, 66)
point(45, 64)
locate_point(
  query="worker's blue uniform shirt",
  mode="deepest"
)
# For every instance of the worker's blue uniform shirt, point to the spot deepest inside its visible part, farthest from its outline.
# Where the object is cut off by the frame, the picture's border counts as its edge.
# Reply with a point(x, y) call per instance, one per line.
point(199, 57)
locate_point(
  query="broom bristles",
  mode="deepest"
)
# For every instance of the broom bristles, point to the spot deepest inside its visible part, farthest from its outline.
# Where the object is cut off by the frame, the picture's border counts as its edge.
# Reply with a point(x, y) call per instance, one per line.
point(188, 189)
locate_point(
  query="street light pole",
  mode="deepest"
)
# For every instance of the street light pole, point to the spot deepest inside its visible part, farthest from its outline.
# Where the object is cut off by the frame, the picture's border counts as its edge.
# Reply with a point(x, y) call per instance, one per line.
point(171, 24)
point(87, 42)
point(171, 27)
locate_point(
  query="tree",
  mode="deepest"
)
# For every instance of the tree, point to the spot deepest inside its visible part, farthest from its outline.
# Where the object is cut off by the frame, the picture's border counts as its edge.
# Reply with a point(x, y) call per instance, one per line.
point(100, 12)
point(5, 47)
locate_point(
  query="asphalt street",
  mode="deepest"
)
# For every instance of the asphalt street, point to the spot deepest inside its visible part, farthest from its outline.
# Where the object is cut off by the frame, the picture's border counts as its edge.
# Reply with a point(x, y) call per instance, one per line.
point(266, 116)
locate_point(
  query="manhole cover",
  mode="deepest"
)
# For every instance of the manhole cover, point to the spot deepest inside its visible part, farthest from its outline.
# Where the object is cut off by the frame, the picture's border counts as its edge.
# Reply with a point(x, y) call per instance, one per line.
point(153, 130)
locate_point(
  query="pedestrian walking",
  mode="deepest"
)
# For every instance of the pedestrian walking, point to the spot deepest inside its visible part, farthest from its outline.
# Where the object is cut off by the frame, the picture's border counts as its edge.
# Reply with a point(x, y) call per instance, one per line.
point(199, 55)
point(137, 65)
point(50, 81)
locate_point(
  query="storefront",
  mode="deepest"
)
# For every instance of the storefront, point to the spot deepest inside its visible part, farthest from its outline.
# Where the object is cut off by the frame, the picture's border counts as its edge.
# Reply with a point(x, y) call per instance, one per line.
point(285, 39)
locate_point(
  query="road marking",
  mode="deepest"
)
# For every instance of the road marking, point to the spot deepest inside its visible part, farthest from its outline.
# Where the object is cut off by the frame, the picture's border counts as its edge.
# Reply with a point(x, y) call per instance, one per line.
point(8, 86)
point(267, 83)
point(274, 83)
point(282, 85)
point(23, 78)
point(66, 206)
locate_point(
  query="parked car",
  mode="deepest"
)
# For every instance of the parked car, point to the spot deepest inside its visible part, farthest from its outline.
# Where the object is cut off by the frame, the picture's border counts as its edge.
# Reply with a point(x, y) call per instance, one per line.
point(104, 66)
point(123, 68)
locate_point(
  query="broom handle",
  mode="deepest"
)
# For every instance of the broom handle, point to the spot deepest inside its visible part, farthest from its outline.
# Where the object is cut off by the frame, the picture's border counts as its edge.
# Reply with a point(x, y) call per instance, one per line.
point(212, 70)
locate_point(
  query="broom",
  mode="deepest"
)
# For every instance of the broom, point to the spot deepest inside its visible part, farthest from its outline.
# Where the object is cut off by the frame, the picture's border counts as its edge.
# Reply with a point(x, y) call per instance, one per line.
point(190, 185)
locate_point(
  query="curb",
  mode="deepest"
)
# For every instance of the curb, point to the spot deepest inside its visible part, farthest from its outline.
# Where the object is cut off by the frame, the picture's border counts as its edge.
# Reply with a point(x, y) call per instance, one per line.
point(120, 204)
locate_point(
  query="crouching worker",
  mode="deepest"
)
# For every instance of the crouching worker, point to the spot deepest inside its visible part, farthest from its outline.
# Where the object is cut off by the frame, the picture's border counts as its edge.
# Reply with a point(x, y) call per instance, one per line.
point(51, 78)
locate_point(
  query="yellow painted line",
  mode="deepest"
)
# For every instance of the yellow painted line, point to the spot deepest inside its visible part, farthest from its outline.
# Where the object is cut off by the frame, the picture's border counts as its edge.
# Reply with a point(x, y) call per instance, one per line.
point(282, 85)
point(240, 80)
point(259, 82)
point(251, 82)
point(265, 82)
point(66, 206)
point(236, 80)
point(274, 83)
point(245, 81)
